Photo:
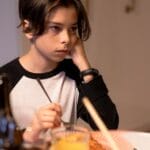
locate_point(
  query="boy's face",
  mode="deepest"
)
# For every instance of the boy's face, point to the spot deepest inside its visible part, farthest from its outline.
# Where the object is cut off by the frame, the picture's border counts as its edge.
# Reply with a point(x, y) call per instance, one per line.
point(60, 36)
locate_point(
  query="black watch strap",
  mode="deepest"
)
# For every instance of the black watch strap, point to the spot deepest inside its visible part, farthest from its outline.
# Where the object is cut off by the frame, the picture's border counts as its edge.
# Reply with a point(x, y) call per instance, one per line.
point(90, 71)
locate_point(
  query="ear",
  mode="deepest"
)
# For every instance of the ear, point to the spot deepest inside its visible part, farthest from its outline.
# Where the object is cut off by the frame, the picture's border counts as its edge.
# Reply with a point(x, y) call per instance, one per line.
point(26, 25)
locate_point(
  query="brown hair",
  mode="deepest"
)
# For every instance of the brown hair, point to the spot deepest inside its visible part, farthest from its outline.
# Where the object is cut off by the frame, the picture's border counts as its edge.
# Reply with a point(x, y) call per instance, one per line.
point(37, 12)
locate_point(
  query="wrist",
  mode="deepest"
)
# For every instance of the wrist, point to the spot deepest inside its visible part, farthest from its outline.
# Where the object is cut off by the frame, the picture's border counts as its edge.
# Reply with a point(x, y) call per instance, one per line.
point(83, 65)
point(30, 134)
point(88, 74)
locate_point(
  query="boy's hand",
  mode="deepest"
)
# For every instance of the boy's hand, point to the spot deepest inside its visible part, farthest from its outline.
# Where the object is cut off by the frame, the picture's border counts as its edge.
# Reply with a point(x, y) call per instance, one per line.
point(79, 56)
point(80, 59)
point(46, 117)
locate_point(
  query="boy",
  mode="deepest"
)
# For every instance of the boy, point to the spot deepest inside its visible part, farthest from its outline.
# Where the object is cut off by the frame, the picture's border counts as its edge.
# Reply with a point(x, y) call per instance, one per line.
point(56, 29)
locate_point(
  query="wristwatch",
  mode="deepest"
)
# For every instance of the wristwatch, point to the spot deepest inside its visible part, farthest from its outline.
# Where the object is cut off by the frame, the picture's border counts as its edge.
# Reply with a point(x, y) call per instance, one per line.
point(90, 71)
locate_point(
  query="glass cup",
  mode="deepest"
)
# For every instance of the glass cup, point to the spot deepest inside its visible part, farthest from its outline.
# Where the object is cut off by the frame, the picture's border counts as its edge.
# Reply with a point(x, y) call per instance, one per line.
point(70, 137)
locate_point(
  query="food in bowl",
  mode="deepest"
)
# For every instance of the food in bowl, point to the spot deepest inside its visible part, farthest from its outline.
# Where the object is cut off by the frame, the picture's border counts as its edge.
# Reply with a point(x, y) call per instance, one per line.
point(94, 145)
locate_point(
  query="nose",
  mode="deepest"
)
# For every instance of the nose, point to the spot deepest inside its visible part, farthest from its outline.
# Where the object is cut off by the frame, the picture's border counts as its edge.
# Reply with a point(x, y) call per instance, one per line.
point(65, 37)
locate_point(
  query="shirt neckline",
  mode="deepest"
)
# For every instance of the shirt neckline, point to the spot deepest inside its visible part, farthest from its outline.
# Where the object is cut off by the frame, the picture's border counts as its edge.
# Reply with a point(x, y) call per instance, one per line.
point(39, 75)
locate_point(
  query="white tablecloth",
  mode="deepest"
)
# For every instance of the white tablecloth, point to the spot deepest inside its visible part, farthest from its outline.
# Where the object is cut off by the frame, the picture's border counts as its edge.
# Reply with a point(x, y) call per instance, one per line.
point(140, 140)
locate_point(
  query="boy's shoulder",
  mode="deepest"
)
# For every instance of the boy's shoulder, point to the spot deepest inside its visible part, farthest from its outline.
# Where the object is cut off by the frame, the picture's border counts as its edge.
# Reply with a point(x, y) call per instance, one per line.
point(10, 66)
point(13, 71)
point(70, 69)
point(68, 65)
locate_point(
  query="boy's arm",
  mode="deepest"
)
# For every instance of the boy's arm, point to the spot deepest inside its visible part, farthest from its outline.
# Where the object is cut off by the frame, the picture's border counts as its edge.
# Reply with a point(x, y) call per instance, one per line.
point(97, 92)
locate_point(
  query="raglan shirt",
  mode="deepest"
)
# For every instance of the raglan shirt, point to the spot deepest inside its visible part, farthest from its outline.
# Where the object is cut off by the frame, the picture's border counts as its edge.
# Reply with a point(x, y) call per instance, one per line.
point(63, 86)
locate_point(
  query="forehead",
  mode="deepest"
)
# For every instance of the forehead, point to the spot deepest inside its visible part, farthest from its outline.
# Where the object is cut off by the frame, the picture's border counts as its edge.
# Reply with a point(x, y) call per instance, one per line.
point(65, 15)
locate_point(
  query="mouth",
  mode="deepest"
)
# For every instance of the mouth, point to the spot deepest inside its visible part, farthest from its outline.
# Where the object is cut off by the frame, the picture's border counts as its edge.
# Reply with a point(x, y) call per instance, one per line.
point(62, 52)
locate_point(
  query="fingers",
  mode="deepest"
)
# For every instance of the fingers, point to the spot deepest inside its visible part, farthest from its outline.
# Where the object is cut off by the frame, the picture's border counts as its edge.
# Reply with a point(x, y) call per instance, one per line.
point(50, 119)
point(49, 116)
point(56, 107)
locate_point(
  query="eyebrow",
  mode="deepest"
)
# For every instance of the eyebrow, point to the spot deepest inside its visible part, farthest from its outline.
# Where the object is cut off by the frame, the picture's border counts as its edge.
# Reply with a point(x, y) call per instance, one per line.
point(60, 24)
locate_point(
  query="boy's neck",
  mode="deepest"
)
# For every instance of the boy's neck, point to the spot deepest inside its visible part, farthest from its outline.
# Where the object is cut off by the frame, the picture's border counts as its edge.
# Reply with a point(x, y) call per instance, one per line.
point(35, 64)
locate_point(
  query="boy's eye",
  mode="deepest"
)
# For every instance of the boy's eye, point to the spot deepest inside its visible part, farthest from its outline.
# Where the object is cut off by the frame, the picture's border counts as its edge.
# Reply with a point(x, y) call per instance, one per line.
point(73, 29)
point(55, 28)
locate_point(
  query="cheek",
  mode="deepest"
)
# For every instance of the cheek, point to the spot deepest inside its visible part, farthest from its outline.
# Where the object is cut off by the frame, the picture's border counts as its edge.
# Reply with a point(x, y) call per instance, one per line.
point(74, 40)
point(47, 41)
point(43, 44)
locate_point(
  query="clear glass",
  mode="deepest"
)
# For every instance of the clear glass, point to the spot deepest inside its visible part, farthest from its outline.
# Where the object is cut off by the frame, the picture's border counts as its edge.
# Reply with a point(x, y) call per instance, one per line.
point(70, 137)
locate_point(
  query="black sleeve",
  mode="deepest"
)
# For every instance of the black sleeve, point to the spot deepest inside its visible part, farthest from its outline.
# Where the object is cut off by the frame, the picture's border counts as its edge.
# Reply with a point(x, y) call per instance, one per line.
point(97, 92)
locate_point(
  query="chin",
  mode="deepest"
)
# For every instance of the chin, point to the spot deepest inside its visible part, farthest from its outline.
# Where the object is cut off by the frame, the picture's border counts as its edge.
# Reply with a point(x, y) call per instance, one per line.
point(59, 59)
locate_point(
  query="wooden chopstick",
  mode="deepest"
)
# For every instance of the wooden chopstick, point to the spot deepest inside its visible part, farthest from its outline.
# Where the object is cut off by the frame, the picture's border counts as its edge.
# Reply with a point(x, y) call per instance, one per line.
point(100, 124)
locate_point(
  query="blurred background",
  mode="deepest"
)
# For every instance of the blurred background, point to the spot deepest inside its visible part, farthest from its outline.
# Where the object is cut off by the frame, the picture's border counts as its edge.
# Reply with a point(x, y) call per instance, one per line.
point(119, 47)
